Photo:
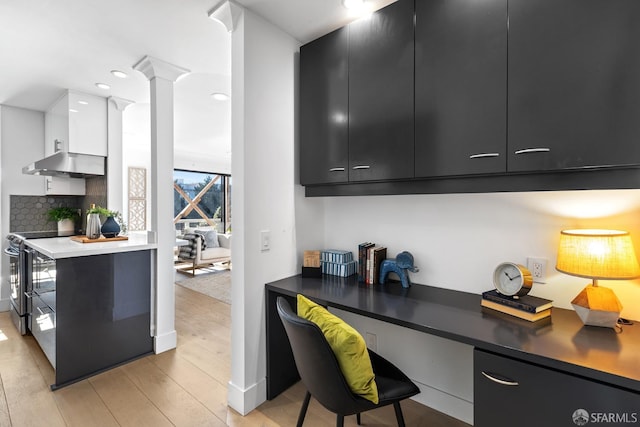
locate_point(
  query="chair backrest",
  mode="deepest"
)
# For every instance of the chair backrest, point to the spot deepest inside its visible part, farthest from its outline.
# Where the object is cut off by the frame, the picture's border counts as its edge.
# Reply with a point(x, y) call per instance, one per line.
point(316, 363)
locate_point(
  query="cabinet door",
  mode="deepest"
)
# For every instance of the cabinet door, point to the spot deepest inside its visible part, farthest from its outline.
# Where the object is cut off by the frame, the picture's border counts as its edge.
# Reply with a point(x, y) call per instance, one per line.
point(87, 124)
point(513, 393)
point(574, 91)
point(461, 74)
point(381, 135)
point(324, 107)
point(56, 127)
point(54, 185)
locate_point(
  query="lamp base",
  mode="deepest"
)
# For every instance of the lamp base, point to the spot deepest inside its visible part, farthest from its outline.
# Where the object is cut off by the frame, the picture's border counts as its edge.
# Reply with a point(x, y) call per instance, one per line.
point(597, 306)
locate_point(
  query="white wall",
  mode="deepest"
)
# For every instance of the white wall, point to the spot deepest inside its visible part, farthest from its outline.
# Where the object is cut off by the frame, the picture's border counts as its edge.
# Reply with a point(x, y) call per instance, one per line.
point(457, 240)
point(21, 142)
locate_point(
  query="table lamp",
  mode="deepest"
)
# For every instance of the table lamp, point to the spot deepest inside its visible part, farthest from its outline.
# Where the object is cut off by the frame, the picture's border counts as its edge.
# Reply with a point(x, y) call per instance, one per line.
point(597, 254)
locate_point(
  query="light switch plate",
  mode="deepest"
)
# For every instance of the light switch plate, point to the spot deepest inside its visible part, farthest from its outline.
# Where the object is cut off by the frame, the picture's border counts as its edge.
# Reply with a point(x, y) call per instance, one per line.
point(265, 240)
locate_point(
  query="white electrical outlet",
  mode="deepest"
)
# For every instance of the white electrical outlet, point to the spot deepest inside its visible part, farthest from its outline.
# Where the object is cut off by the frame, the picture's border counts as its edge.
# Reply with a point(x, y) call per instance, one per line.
point(372, 341)
point(538, 269)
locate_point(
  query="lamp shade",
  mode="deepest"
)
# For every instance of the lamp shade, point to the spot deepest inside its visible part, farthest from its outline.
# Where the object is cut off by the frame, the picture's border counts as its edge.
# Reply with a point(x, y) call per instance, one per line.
point(597, 254)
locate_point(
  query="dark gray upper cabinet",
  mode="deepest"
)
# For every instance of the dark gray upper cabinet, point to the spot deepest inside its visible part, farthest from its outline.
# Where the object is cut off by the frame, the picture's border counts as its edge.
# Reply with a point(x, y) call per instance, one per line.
point(381, 135)
point(324, 111)
point(460, 87)
point(574, 84)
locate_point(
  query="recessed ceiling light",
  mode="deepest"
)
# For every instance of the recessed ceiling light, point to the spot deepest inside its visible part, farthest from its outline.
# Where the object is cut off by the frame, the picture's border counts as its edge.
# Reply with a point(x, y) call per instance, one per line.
point(353, 4)
point(103, 86)
point(83, 103)
point(71, 110)
point(119, 74)
point(220, 96)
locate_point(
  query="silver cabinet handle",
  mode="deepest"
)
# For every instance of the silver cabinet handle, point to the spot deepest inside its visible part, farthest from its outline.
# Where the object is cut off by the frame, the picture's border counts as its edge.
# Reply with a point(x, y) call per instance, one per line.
point(483, 155)
point(336, 170)
point(48, 181)
point(499, 381)
point(57, 145)
point(361, 167)
point(533, 150)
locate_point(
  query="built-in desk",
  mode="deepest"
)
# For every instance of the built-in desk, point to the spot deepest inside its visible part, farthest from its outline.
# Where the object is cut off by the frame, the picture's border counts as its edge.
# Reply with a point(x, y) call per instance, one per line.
point(561, 343)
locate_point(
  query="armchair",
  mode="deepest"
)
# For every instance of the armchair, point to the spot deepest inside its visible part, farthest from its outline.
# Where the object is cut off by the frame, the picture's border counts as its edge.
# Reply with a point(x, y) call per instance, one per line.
point(205, 247)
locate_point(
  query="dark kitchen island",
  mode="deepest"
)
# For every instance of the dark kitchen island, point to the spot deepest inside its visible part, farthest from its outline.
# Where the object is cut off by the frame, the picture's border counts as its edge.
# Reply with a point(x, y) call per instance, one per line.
point(101, 313)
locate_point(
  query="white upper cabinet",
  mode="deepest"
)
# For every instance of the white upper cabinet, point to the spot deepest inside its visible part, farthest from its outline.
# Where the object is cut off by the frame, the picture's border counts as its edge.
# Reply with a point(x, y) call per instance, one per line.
point(77, 123)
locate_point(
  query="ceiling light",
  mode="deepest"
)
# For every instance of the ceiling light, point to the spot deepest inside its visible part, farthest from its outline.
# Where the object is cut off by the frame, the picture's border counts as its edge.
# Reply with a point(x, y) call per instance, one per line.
point(220, 96)
point(83, 103)
point(103, 86)
point(71, 110)
point(119, 74)
point(353, 4)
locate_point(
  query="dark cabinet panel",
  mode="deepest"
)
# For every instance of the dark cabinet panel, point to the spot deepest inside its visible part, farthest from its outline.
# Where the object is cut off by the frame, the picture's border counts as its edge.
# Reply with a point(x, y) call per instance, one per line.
point(460, 87)
point(510, 393)
point(574, 91)
point(324, 111)
point(381, 135)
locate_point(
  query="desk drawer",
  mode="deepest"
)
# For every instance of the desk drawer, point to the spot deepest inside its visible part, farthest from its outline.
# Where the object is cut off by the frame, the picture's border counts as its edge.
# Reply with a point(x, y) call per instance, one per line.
point(508, 392)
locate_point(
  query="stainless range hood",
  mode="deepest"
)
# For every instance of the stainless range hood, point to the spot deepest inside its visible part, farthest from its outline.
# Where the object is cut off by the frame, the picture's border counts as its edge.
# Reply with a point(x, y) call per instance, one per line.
point(74, 165)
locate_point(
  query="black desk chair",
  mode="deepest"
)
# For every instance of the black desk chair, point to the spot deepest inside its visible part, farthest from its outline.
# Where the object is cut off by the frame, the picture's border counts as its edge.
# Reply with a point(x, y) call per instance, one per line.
point(321, 374)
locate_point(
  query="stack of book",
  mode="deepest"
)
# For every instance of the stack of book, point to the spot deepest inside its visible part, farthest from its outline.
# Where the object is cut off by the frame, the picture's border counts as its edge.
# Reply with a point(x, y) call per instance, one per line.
point(337, 263)
point(370, 257)
point(526, 307)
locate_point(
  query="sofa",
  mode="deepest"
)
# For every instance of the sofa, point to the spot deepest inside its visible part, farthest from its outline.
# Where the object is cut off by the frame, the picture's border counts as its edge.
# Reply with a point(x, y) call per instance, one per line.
point(205, 247)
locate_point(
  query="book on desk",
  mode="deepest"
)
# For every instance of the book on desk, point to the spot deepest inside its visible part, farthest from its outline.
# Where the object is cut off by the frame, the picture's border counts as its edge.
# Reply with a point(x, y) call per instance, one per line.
point(526, 307)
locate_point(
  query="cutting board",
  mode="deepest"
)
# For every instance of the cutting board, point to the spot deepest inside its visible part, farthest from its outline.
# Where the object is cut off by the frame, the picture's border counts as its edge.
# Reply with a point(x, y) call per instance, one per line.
point(85, 239)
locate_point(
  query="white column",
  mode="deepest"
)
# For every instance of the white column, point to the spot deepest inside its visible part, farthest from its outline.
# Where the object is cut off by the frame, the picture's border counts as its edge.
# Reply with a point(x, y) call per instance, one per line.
point(161, 76)
point(115, 173)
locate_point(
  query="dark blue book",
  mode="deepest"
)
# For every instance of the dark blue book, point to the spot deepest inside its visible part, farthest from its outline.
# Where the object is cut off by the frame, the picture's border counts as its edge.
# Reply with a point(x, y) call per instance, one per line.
point(527, 303)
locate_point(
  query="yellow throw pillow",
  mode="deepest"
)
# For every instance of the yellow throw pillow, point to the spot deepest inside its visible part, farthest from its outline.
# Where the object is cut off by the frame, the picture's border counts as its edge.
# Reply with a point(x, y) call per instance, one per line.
point(348, 346)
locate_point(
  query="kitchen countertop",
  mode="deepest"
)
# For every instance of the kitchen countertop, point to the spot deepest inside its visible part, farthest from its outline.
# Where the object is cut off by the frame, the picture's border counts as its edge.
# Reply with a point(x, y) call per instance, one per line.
point(64, 247)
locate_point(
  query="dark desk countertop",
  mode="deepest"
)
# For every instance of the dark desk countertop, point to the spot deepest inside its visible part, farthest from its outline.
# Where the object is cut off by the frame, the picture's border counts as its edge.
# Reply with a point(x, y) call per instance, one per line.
point(561, 342)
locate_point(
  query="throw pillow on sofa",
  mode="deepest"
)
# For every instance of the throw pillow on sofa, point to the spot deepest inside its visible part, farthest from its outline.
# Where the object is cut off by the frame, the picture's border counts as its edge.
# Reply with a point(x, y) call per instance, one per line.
point(210, 237)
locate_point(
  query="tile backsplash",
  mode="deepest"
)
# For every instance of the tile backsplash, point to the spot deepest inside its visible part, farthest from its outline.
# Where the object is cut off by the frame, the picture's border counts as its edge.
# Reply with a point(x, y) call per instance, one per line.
point(29, 213)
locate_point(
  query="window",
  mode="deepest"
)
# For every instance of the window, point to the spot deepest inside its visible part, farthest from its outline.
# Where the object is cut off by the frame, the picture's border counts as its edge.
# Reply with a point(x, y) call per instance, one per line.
point(201, 199)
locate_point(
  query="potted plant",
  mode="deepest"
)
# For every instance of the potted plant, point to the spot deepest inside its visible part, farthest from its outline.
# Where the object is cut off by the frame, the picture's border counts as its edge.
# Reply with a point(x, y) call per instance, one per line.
point(109, 227)
point(65, 217)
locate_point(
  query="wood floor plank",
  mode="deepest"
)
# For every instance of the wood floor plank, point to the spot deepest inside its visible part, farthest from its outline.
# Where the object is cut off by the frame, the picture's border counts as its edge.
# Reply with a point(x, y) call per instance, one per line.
point(180, 407)
point(127, 403)
point(81, 406)
point(5, 419)
point(210, 392)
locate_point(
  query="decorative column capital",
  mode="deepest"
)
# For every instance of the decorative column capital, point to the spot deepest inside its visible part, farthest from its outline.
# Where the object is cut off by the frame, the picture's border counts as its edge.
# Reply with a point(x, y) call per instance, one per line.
point(153, 67)
point(120, 103)
point(227, 13)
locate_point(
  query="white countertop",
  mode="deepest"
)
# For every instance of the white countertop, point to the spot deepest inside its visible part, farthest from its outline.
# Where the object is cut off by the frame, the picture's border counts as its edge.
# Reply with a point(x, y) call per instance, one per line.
point(64, 247)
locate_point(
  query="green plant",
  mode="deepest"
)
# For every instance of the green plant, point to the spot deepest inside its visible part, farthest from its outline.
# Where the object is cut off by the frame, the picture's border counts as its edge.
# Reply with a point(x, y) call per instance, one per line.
point(103, 211)
point(62, 212)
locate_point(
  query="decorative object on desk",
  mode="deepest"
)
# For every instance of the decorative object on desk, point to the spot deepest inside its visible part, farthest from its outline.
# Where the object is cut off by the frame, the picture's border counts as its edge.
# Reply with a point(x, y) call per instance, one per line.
point(337, 262)
point(401, 265)
point(311, 264)
point(108, 228)
point(526, 303)
point(597, 254)
point(375, 256)
point(65, 217)
point(512, 279)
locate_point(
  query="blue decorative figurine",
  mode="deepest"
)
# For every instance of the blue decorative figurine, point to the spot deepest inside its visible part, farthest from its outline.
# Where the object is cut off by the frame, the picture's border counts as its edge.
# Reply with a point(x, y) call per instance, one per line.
point(400, 265)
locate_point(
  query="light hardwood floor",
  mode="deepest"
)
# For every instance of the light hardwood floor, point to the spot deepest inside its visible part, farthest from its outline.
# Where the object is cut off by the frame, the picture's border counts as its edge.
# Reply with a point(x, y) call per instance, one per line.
point(183, 387)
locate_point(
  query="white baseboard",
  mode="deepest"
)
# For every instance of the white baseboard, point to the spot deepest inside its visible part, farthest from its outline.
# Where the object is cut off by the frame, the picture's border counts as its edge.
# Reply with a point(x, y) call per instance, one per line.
point(246, 400)
point(165, 342)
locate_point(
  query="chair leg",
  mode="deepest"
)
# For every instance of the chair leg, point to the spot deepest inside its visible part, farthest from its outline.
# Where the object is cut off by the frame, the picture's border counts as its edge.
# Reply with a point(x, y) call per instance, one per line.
point(358, 418)
point(340, 421)
point(399, 416)
point(303, 410)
